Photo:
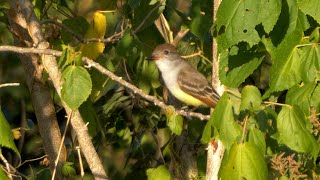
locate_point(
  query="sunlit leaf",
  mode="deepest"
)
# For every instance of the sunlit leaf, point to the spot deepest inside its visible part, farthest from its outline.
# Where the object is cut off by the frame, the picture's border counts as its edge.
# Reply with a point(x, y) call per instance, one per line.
point(6, 135)
point(237, 20)
point(300, 96)
point(292, 128)
point(159, 173)
point(257, 138)
point(285, 70)
point(310, 7)
point(3, 175)
point(310, 63)
point(315, 100)
point(223, 121)
point(245, 161)
point(234, 69)
point(76, 87)
point(250, 98)
point(97, 29)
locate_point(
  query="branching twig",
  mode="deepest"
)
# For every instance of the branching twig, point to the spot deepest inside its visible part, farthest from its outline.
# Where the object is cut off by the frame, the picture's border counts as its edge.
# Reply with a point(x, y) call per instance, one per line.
point(31, 160)
point(91, 63)
point(192, 55)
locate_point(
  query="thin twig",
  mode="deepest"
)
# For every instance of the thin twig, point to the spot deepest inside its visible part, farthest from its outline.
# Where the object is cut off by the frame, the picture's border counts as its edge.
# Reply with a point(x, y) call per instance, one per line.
point(30, 160)
point(268, 103)
point(60, 147)
point(80, 161)
point(91, 63)
point(9, 84)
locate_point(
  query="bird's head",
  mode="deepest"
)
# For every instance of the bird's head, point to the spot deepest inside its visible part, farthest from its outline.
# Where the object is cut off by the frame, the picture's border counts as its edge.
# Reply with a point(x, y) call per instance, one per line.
point(164, 52)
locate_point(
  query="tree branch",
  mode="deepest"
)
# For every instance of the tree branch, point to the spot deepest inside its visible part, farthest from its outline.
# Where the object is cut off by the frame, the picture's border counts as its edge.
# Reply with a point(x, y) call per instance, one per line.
point(91, 63)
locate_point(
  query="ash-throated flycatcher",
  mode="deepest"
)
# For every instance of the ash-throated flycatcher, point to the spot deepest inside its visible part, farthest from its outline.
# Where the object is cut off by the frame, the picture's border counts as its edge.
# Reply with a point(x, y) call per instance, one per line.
point(182, 79)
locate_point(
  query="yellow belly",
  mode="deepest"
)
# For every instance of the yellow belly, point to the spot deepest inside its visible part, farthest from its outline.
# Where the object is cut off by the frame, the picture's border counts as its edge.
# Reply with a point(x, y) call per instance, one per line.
point(186, 98)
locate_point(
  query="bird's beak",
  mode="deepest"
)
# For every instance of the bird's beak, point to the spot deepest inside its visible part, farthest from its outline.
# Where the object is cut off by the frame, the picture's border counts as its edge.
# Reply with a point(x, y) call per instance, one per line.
point(153, 58)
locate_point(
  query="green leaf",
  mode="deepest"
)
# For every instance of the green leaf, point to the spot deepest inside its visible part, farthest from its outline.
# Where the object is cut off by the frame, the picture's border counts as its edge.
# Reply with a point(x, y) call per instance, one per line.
point(300, 96)
point(174, 121)
point(134, 3)
point(142, 10)
point(100, 83)
point(223, 121)
point(257, 138)
point(234, 69)
point(68, 170)
point(315, 100)
point(315, 35)
point(144, 76)
point(90, 116)
point(237, 20)
point(292, 128)
point(250, 98)
point(76, 87)
point(159, 173)
point(285, 71)
point(201, 18)
point(77, 24)
point(245, 161)
point(310, 7)
point(6, 135)
point(207, 133)
point(310, 63)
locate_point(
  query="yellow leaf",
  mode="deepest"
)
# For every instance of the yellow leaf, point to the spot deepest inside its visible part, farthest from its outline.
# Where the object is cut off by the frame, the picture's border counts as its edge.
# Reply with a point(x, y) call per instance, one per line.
point(97, 29)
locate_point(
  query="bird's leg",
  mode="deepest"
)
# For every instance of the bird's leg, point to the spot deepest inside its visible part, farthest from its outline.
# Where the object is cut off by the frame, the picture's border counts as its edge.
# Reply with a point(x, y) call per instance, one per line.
point(188, 109)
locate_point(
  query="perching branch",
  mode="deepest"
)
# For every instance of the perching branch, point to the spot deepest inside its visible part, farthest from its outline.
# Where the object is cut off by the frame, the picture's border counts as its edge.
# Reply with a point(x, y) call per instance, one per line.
point(91, 63)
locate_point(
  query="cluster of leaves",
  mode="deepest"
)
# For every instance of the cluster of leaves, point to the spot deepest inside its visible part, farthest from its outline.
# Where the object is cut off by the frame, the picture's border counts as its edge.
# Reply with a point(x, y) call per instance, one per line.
point(265, 46)
point(279, 40)
point(121, 124)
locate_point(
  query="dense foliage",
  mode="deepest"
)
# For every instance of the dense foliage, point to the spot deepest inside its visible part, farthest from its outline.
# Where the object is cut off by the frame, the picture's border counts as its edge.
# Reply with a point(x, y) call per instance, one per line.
point(268, 117)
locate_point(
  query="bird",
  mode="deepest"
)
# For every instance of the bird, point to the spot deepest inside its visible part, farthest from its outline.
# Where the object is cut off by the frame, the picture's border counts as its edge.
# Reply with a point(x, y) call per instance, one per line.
point(184, 81)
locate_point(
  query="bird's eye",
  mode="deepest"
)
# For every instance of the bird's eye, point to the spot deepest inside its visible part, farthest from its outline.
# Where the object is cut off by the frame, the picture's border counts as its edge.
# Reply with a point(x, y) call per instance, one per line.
point(166, 52)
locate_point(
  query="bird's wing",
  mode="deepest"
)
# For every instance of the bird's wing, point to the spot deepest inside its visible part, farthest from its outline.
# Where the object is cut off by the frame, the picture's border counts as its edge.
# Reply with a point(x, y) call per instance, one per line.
point(195, 84)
